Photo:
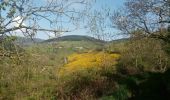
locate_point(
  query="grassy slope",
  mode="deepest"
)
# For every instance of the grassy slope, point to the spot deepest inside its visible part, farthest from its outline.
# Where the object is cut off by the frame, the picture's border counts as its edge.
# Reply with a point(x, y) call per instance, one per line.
point(35, 76)
point(55, 52)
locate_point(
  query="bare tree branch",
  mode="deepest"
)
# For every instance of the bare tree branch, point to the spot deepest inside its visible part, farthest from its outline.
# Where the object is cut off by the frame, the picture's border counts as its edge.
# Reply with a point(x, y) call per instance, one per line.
point(28, 15)
point(149, 16)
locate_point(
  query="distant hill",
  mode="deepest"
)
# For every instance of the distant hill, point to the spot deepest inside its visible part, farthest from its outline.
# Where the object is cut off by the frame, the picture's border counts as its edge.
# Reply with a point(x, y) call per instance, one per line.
point(68, 38)
point(75, 42)
point(74, 38)
point(27, 41)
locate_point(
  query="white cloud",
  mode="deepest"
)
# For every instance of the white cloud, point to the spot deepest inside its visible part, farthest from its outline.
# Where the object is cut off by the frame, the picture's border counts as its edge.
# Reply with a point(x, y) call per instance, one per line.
point(17, 21)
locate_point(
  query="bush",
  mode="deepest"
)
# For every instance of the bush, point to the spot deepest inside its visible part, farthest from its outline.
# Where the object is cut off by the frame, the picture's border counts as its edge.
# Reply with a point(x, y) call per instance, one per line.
point(121, 93)
point(87, 76)
point(84, 84)
point(26, 80)
point(98, 60)
point(143, 55)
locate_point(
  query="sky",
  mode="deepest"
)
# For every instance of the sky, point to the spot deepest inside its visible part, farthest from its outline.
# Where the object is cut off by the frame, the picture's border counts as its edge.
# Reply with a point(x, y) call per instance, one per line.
point(98, 5)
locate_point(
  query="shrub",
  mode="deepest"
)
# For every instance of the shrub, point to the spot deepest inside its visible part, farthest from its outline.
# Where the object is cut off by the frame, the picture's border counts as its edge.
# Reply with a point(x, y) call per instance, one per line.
point(143, 55)
point(26, 80)
point(84, 84)
point(87, 76)
point(83, 61)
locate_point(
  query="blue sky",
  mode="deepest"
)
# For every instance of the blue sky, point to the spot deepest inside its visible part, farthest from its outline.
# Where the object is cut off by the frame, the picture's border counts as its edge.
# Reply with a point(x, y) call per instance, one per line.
point(99, 5)
point(112, 4)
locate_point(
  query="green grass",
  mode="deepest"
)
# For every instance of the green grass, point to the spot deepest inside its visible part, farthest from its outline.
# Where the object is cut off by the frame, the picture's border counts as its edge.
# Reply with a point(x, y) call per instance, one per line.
point(34, 75)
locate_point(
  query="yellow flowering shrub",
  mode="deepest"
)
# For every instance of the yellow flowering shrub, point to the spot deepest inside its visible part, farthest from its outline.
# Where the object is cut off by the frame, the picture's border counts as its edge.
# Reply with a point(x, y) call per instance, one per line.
point(86, 74)
point(96, 60)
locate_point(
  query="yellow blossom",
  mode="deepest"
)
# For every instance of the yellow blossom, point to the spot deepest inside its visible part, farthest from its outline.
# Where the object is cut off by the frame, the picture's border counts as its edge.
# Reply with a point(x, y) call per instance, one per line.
point(77, 62)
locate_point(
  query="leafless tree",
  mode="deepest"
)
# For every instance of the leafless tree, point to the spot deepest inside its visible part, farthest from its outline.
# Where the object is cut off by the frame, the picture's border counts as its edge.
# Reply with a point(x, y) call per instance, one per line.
point(150, 16)
point(98, 24)
point(29, 16)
